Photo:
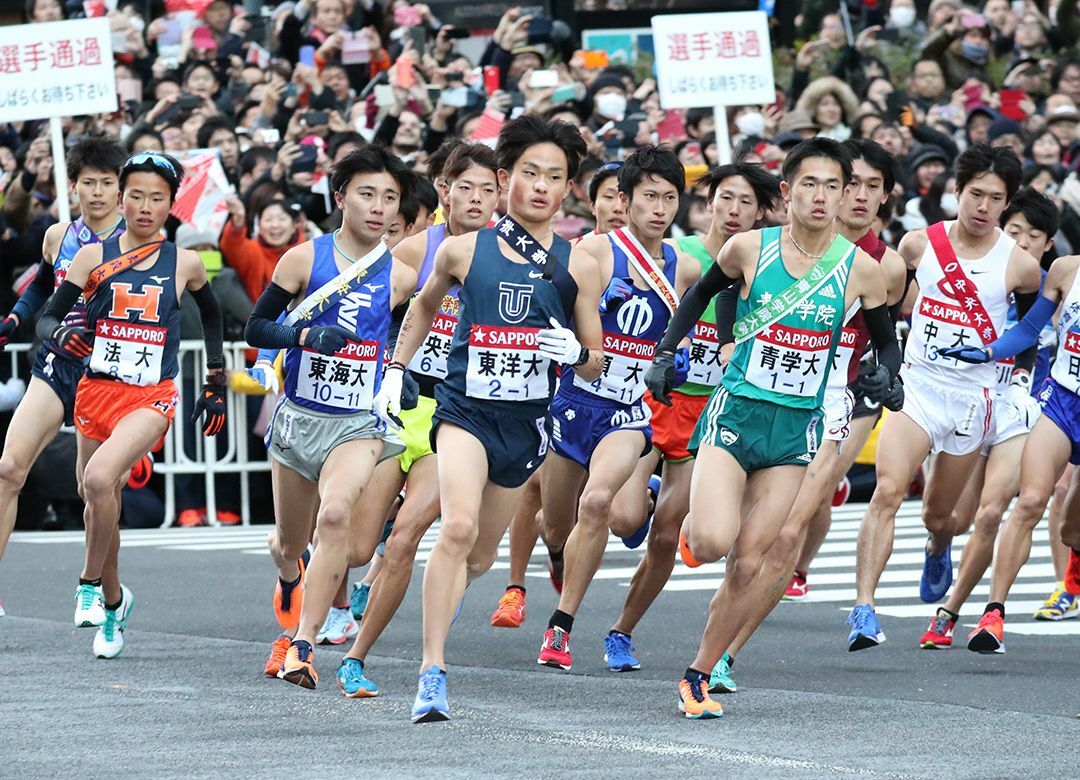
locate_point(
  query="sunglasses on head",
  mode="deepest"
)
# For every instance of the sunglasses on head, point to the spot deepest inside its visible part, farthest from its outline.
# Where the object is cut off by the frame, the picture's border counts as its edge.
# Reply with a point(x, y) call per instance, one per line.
point(161, 161)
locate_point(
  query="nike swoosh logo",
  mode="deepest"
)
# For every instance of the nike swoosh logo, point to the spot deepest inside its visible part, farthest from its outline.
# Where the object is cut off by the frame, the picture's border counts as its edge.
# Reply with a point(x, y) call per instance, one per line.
point(978, 272)
point(536, 275)
point(160, 279)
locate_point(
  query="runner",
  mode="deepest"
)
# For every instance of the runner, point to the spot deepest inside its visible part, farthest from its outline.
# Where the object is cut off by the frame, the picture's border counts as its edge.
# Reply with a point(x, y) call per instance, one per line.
point(1060, 604)
point(1031, 220)
point(948, 407)
point(323, 439)
point(471, 173)
point(607, 207)
point(131, 285)
point(519, 288)
point(762, 423)
point(601, 428)
point(93, 169)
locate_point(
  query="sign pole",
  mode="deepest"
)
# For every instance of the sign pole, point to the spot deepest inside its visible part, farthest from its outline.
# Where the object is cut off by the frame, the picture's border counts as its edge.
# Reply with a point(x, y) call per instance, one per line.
point(63, 200)
point(723, 140)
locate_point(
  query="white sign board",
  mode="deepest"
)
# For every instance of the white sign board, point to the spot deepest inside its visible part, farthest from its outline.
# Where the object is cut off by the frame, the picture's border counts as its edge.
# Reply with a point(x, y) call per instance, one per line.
point(56, 69)
point(715, 59)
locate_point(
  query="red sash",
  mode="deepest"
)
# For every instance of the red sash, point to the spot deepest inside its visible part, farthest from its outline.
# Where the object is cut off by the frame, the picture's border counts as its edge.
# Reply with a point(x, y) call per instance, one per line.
point(967, 294)
point(107, 270)
point(637, 255)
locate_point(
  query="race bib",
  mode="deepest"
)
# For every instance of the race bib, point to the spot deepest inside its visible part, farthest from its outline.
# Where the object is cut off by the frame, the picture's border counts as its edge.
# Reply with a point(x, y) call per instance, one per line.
point(1066, 369)
point(430, 359)
point(626, 360)
point(129, 352)
point(705, 366)
point(845, 353)
point(789, 360)
point(344, 380)
point(944, 325)
point(505, 365)
point(1004, 373)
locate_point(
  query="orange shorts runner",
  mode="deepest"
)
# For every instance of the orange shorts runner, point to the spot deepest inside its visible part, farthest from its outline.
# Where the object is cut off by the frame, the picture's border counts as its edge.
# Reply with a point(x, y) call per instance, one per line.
point(100, 404)
point(673, 425)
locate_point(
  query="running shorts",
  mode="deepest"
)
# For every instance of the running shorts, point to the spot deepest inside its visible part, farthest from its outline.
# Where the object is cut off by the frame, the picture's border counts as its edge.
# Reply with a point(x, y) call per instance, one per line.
point(416, 435)
point(62, 376)
point(100, 404)
point(580, 421)
point(673, 425)
point(957, 419)
point(1009, 422)
point(1063, 409)
point(515, 444)
point(839, 407)
point(302, 439)
point(758, 434)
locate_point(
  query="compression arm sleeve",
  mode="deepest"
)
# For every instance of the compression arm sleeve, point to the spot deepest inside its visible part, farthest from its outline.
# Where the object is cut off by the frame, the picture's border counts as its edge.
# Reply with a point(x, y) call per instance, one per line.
point(36, 294)
point(1026, 332)
point(267, 354)
point(883, 335)
point(262, 330)
point(57, 308)
point(894, 310)
point(213, 326)
point(726, 306)
point(692, 305)
point(1025, 359)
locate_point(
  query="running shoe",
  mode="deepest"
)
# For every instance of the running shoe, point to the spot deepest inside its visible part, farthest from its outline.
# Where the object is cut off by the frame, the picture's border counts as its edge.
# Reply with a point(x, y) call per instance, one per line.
point(842, 492)
point(289, 597)
point(352, 681)
point(1072, 573)
point(225, 517)
point(555, 571)
point(89, 606)
point(511, 610)
point(299, 667)
point(936, 576)
point(2, 613)
point(141, 472)
point(358, 599)
point(430, 704)
point(797, 589)
point(694, 701)
point(555, 652)
point(721, 681)
point(1060, 605)
point(641, 534)
point(989, 636)
point(278, 651)
point(619, 653)
point(688, 558)
point(938, 635)
point(109, 639)
point(191, 518)
point(338, 627)
point(865, 628)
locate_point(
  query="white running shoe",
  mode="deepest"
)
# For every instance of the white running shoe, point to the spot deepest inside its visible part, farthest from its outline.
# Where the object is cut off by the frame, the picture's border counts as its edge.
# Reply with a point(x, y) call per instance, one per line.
point(89, 606)
point(2, 613)
point(109, 639)
point(339, 627)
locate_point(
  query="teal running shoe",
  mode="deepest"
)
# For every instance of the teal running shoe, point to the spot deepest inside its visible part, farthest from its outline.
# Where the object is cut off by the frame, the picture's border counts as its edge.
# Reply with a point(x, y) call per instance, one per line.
point(109, 639)
point(89, 606)
point(721, 681)
point(352, 681)
point(358, 599)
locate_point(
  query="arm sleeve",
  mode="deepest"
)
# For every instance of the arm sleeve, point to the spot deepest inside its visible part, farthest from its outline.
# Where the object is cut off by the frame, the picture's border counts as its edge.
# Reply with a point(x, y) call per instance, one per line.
point(57, 308)
point(1026, 332)
point(212, 325)
point(726, 303)
point(36, 294)
point(268, 354)
point(883, 336)
point(262, 330)
point(692, 305)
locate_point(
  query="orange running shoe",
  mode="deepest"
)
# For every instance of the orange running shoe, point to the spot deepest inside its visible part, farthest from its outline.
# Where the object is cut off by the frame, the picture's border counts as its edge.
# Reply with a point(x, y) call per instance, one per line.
point(277, 656)
point(989, 635)
point(299, 668)
point(687, 556)
point(511, 610)
point(1072, 573)
point(694, 701)
point(191, 518)
point(141, 472)
point(228, 518)
point(289, 597)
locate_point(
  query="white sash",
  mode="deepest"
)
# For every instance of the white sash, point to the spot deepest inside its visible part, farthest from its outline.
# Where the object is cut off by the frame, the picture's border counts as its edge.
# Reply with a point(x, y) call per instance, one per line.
point(313, 304)
point(639, 258)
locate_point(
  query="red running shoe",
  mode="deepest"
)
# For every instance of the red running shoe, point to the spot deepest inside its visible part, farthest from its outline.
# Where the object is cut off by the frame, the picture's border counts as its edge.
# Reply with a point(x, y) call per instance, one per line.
point(555, 571)
point(191, 518)
point(1072, 573)
point(141, 472)
point(843, 492)
point(938, 635)
point(797, 588)
point(228, 518)
point(989, 636)
point(555, 652)
point(684, 551)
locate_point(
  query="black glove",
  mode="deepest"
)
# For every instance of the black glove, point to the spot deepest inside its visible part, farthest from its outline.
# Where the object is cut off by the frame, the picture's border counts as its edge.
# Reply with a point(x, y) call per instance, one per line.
point(75, 340)
point(211, 400)
point(660, 377)
point(328, 339)
point(893, 400)
point(7, 327)
point(875, 382)
point(410, 391)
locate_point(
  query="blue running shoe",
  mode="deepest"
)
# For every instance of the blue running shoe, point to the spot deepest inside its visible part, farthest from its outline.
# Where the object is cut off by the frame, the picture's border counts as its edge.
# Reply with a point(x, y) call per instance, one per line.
point(641, 534)
point(430, 705)
point(358, 599)
point(865, 628)
point(619, 653)
point(721, 681)
point(936, 576)
point(353, 683)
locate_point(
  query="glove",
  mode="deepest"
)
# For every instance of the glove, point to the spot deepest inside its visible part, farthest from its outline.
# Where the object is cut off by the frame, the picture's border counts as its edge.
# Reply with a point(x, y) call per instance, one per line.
point(660, 377)
point(618, 291)
point(1019, 395)
point(893, 399)
point(11, 322)
point(559, 344)
point(410, 391)
point(875, 383)
point(387, 402)
point(682, 366)
point(966, 354)
point(264, 373)
point(328, 339)
point(75, 340)
point(211, 400)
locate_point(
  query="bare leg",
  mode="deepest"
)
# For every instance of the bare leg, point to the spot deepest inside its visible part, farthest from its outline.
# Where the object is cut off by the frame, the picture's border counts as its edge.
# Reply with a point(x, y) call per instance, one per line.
point(524, 531)
point(944, 485)
point(1059, 553)
point(561, 480)
point(716, 504)
point(296, 502)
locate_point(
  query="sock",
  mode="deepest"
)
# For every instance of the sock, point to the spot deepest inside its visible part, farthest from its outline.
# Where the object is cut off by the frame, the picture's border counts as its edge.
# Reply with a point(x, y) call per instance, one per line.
point(114, 607)
point(730, 660)
point(516, 587)
point(289, 585)
point(555, 555)
point(953, 616)
point(995, 605)
point(95, 582)
point(693, 674)
point(612, 632)
point(301, 644)
point(561, 620)
point(801, 574)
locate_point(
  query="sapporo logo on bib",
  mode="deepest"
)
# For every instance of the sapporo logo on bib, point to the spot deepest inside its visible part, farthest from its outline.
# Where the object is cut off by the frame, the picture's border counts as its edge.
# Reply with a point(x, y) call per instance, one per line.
point(430, 359)
point(626, 360)
point(1071, 350)
point(505, 365)
point(344, 380)
point(705, 365)
point(129, 352)
point(787, 360)
point(946, 325)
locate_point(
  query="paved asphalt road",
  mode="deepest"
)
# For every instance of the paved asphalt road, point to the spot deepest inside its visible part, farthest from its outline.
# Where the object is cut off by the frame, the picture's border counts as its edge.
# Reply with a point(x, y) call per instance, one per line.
point(187, 697)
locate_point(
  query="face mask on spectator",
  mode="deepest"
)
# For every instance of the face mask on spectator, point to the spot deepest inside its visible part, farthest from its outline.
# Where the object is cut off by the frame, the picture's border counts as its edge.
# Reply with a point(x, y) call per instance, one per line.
point(975, 52)
point(751, 123)
point(902, 17)
point(611, 105)
point(949, 204)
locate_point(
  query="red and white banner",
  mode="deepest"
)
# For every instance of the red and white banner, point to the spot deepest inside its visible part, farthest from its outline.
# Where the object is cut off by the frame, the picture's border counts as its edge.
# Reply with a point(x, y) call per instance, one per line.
point(201, 199)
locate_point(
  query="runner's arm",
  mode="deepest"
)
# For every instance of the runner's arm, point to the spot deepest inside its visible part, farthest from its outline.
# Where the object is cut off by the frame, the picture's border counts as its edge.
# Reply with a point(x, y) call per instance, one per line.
point(213, 326)
point(450, 266)
point(264, 329)
point(692, 305)
point(68, 293)
point(36, 293)
point(585, 268)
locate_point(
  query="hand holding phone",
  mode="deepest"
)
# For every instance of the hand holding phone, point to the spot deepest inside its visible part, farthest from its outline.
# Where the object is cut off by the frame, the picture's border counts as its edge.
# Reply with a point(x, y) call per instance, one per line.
point(307, 56)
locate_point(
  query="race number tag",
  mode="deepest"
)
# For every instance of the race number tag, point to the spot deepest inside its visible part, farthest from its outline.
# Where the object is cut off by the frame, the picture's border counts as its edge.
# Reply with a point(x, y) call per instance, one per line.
point(1069, 358)
point(705, 366)
point(430, 359)
point(504, 365)
point(845, 353)
point(625, 361)
point(945, 325)
point(1004, 373)
point(128, 352)
point(789, 360)
point(344, 380)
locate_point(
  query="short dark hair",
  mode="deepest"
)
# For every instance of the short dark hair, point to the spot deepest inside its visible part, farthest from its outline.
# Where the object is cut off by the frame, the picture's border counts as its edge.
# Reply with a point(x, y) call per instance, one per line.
point(529, 130)
point(338, 140)
point(766, 187)
point(95, 151)
point(817, 147)
point(252, 157)
point(191, 67)
point(1059, 71)
point(601, 175)
point(142, 132)
point(874, 155)
point(1033, 170)
point(1038, 210)
point(657, 160)
point(695, 115)
point(980, 159)
point(211, 126)
point(437, 159)
point(464, 156)
point(426, 195)
point(409, 209)
point(373, 158)
point(159, 163)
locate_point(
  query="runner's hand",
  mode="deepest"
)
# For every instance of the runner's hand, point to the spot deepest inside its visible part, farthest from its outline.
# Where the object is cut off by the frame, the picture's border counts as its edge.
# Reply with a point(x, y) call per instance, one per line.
point(660, 377)
point(875, 383)
point(559, 344)
point(75, 340)
point(387, 402)
point(966, 354)
point(328, 339)
point(7, 327)
point(893, 399)
point(682, 366)
point(618, 292)
point(410, 391)
point(264, 373)
point(211, 400)
point(1019, 395)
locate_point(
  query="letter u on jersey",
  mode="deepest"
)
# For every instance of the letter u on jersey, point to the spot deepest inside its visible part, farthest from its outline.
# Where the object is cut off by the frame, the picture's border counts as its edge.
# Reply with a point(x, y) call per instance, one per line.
point(146, 303)
point(514, 301)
